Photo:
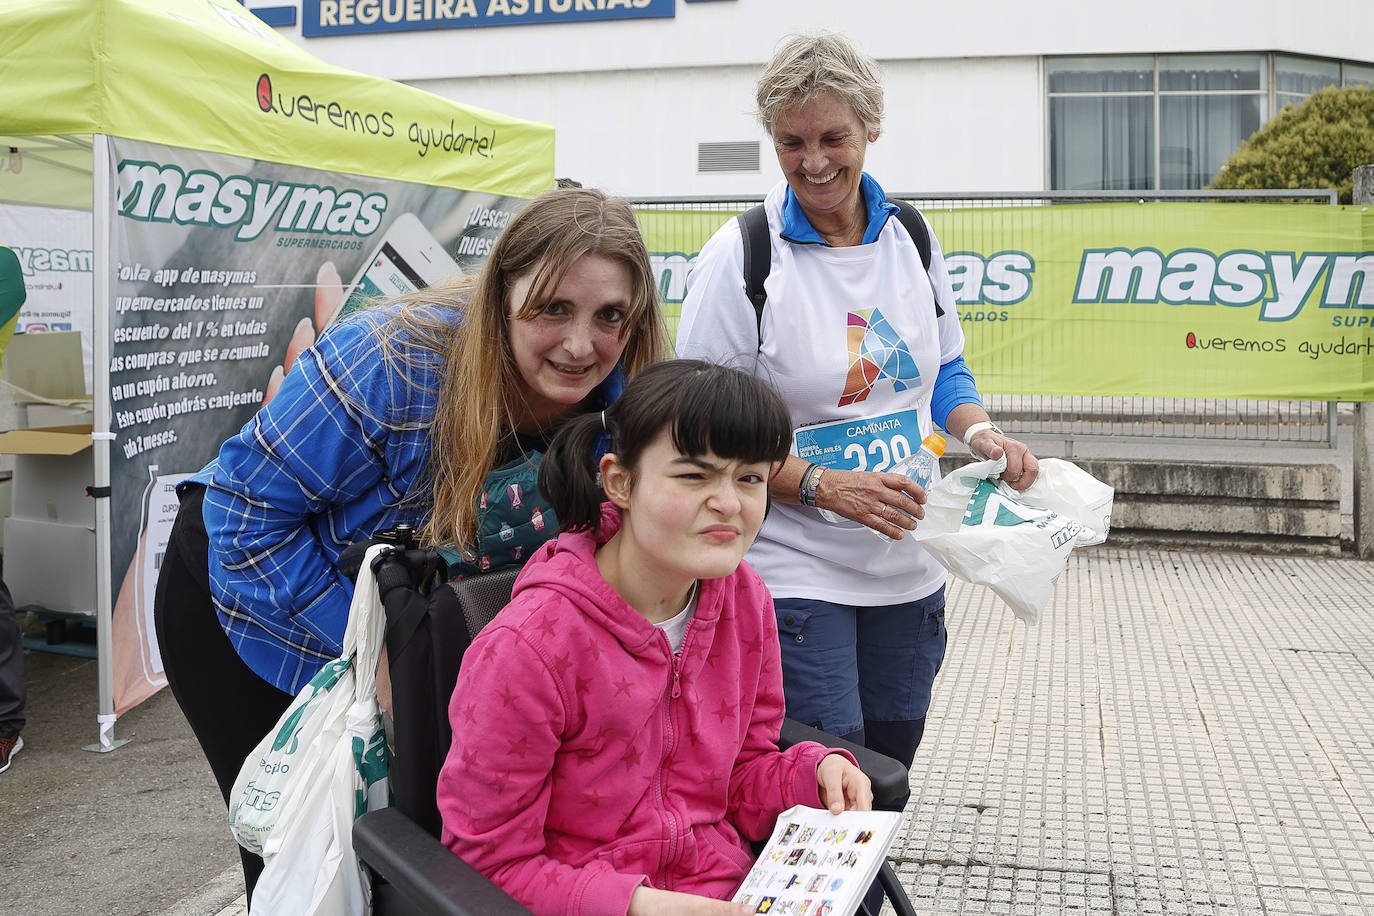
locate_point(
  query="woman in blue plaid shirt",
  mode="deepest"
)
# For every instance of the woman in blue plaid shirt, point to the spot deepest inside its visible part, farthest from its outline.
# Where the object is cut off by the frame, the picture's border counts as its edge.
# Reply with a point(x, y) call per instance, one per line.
point(434, 410)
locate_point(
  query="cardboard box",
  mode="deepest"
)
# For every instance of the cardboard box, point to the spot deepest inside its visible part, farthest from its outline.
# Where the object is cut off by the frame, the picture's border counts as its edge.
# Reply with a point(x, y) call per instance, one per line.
point(45, 384)
point(50, 565)
point(52, 468)
point(48, 365)
point(47, 415)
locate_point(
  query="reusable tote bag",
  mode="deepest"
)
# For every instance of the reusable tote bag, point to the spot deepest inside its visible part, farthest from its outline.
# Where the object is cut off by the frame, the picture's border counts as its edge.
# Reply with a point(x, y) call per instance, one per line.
point(318, 770)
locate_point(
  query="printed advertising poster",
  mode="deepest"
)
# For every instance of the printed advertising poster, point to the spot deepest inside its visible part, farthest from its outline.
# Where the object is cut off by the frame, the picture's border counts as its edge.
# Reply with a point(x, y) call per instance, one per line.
point(223, 268)
point(1225, 300)
point(1222, 300)
point(54, 249)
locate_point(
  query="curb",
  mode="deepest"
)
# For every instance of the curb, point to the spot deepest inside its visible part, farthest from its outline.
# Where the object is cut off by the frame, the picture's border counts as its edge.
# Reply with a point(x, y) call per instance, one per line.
point(222, 896)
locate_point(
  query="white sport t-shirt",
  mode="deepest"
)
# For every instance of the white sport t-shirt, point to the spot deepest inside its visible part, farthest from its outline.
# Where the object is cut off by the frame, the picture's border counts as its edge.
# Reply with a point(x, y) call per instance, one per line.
point(849, 335)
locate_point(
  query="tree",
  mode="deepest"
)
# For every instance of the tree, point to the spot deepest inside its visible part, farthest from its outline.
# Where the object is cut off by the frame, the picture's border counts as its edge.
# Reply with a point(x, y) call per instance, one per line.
point(1316, 144)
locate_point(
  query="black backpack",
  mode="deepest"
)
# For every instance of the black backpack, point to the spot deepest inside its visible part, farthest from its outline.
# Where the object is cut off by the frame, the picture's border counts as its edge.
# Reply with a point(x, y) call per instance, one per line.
point(758, 252)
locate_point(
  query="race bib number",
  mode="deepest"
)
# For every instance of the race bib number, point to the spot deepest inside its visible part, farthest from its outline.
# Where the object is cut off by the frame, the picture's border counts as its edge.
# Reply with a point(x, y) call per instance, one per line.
point(868, 444)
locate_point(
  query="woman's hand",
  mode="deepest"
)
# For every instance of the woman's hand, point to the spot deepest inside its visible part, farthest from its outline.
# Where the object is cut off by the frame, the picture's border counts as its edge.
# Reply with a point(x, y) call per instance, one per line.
point(844, 787)
point(886, 502)
point(650, 901)
point(1022, 467)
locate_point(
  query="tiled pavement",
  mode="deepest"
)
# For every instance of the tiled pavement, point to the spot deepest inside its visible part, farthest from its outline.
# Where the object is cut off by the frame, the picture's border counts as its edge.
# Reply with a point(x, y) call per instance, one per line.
point(1181, 733)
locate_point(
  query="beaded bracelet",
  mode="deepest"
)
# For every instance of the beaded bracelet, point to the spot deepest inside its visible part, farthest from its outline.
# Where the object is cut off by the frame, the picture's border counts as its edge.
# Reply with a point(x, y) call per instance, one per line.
point(810, 480)
point(801, 486)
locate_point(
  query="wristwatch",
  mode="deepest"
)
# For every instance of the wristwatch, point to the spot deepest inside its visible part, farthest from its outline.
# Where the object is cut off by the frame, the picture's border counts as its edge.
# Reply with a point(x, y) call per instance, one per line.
point(978, 428)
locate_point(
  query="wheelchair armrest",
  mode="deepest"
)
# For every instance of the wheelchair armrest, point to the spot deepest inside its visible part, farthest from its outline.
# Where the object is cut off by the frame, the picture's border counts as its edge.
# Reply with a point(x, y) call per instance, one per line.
point(433, 880)
point(891, 786)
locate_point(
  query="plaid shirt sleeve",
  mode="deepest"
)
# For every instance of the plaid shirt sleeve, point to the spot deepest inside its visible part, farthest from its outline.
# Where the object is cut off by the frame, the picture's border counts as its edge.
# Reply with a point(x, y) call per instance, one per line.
point(328, 460)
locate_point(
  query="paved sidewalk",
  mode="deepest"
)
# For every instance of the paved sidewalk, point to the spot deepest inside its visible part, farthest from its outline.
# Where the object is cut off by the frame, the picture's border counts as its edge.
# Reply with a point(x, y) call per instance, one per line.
point(1183, 732)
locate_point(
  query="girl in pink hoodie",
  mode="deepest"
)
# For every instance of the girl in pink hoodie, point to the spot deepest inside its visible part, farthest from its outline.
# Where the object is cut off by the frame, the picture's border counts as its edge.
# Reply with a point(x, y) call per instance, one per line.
point(615, 727)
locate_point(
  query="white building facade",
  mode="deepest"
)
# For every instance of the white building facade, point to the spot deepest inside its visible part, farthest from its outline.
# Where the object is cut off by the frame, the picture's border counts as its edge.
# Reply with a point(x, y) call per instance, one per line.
point(655, 97)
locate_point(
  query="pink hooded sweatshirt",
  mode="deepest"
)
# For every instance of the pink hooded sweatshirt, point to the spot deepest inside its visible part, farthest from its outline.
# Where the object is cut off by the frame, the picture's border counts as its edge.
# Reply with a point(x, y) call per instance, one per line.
point(588, 759)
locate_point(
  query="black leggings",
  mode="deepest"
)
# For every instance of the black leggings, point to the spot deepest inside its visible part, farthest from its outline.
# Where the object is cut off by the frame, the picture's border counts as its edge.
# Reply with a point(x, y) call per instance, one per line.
point(229, 707)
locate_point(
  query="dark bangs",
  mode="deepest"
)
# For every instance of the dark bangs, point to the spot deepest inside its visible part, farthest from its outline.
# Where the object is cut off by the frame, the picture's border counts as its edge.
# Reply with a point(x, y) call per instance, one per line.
point(728, 413)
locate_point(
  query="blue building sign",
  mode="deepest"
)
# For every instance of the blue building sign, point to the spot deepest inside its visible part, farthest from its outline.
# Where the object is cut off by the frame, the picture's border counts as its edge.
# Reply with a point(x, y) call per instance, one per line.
point(353, 17)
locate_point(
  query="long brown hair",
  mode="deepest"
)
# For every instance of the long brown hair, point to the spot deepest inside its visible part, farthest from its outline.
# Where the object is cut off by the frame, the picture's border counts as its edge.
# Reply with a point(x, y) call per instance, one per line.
point(479, 388)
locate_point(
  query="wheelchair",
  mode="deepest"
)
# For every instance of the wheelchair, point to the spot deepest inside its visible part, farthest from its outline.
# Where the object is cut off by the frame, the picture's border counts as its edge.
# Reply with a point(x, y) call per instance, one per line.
point(429, 624)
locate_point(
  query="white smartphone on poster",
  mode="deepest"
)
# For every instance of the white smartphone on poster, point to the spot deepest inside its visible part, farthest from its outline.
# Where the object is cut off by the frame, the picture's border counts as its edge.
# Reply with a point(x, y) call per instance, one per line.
point(407, 258)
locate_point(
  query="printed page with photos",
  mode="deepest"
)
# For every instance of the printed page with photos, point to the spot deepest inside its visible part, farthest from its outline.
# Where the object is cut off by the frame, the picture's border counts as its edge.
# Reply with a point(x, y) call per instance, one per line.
point(818, 863)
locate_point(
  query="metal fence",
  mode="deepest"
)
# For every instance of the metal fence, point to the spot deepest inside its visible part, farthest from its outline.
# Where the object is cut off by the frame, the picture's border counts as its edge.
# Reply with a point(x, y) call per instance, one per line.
point(1155, 419)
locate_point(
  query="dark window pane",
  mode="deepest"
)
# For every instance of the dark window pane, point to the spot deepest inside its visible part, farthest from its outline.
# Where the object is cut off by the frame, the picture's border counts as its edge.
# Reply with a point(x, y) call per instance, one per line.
point(1101, 144)
point(1211, 72)
point(1358, 75)
point(1303, 75)
point(1101, 74)
point(1198, 133)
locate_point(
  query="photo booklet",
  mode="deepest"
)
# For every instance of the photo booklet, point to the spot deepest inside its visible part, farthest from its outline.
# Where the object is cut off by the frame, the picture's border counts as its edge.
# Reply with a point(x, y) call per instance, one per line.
point(819, 864)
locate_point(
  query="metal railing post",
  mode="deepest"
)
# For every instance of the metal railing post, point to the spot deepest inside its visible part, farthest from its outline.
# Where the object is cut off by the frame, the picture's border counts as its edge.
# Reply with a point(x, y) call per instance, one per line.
point(1364, 418)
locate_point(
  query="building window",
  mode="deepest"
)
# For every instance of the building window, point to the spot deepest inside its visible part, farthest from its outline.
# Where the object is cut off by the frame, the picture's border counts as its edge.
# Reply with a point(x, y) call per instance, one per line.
point(1102, 123)
point(1169, 121)
point(1295, 78)
point(1208, 105)
point(1357, 75)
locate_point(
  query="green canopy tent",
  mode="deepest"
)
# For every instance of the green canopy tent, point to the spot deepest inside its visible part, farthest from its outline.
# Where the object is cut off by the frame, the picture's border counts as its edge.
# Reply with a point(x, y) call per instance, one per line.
point(77, 76)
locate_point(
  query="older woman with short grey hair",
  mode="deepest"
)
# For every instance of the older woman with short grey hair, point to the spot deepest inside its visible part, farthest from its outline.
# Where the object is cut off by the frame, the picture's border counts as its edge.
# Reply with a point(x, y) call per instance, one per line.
point(856, 325)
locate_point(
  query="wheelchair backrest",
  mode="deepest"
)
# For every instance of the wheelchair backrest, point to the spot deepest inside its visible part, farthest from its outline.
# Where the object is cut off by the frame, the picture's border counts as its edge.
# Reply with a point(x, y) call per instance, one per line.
point(431, 634)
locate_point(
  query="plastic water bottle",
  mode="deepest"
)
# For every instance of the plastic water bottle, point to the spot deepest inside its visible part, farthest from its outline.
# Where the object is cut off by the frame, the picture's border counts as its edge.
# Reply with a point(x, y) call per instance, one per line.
point(919, 466)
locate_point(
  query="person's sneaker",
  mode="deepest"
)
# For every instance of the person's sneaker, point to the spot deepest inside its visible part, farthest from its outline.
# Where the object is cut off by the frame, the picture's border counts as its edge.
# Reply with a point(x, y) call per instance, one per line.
point(8, 748)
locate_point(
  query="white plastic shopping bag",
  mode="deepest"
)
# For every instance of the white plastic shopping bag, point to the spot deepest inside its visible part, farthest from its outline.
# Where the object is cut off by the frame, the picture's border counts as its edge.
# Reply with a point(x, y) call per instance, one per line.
point(321, 767)
point(1017, 543)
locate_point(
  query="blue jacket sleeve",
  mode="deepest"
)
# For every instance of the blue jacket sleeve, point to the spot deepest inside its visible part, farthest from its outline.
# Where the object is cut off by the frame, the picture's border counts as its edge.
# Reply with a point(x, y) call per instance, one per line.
point(954, 385)
point(324, 441)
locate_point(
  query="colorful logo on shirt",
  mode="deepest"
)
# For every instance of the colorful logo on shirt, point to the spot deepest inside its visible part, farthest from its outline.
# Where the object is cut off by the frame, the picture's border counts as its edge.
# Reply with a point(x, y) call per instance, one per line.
point(517, 495)
point(876, 351)
point(537, 519)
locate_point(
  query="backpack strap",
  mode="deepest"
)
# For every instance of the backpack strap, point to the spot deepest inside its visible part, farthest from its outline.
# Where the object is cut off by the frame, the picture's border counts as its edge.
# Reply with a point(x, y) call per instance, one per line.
point(758, 253)
point(758, 259)
point(915, 225)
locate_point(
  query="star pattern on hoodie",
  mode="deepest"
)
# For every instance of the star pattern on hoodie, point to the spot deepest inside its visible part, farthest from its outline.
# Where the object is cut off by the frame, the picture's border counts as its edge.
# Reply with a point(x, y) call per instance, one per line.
point(560, 665)
point(533, 834)
point(487, 653)
point(547, 625)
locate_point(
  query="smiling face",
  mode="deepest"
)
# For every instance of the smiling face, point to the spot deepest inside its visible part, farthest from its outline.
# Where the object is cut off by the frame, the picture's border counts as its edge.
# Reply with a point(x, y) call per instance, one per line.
point(820, 146)
point(685, 517)
point(567, 349)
